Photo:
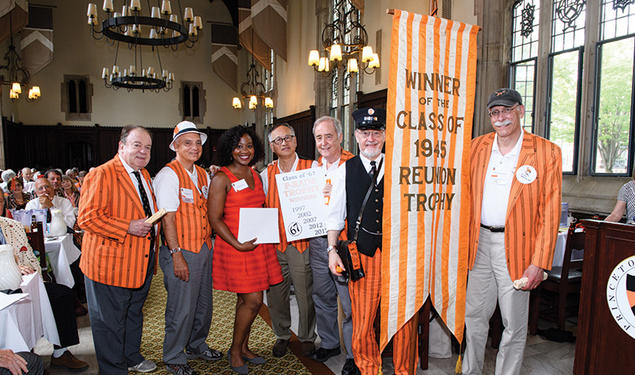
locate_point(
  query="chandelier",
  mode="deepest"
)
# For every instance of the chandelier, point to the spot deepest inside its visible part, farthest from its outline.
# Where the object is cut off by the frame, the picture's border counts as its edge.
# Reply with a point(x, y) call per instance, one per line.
point(253, 90)
point(17, 76)
point(160, 28)
point(345, 41)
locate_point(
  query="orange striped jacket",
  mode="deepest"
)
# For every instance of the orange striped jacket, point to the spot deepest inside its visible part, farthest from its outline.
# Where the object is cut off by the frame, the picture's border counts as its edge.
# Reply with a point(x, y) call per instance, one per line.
point(109, 201)
point(272, 200)
point(344, 157)
point(192, 226)
point(533, 210)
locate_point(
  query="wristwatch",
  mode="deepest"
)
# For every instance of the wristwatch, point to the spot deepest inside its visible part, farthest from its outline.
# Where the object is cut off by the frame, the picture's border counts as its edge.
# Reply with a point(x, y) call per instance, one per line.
point(328, 249)
point(175, 250)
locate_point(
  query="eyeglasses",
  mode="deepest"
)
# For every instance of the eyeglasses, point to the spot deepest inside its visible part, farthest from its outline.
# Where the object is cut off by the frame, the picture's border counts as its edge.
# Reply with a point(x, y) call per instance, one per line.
point(505, 111)
point(280, 140)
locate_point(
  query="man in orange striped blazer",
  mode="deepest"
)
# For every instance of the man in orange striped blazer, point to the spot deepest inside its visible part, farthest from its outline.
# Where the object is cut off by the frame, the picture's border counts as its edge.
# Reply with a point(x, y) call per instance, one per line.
point(293, 256)
point(118, 252)
point(515, 188)
point(186, 255)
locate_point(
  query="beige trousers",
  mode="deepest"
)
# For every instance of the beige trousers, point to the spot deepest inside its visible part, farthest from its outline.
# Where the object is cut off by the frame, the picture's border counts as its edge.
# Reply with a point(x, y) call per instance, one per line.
point(296, 270)
point(488, 281)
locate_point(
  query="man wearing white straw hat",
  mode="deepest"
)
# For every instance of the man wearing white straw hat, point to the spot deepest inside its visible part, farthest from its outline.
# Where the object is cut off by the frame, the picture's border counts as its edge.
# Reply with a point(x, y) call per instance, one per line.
point(186, 254)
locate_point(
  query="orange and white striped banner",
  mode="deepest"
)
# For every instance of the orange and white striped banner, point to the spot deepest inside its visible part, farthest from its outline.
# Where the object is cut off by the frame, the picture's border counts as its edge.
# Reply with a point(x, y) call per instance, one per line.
point(428, 132)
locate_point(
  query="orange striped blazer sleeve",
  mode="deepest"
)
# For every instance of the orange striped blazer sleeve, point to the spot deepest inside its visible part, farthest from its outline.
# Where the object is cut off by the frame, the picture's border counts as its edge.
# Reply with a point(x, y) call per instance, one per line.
point(549, 207)
point(95, 201)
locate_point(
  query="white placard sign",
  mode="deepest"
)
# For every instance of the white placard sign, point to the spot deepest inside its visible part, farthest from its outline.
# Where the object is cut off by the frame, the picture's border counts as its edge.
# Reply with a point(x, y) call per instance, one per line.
point(259, 223)
point(302, 203)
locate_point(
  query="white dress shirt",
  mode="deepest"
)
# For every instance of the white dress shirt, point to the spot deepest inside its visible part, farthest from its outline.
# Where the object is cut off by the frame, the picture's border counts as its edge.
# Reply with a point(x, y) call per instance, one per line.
point(265, 179)
point(498, 182)
point(58, 202)
point(135, 183)
point(336, 213)
point(166, 187)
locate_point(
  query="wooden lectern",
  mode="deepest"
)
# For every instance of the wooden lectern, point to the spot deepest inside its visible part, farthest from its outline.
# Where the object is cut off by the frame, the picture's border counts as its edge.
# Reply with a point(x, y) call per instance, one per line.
point(602, 346)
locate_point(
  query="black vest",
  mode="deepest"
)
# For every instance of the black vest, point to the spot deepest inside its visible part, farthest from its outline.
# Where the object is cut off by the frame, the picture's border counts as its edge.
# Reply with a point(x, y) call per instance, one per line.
point(357, 184)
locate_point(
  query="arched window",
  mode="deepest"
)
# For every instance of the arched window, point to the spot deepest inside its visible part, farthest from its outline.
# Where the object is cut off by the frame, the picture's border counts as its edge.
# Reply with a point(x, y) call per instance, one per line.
point(72, 96)
point(187, 101)
point(344, 86)
point(576, 79)
point(192, 101)
point(76, 98)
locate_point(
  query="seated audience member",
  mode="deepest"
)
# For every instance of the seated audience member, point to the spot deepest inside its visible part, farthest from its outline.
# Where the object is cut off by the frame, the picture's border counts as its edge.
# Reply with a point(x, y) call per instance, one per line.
point(27, 179)
point(3, 208)
point(60, 296)
point(44, 192)
point(80, 177)
point(55, 178)
point(17, 198)
point(6, 177)
point(70, 190)
point(625, 203)
point(20, 363)
point(46, 198)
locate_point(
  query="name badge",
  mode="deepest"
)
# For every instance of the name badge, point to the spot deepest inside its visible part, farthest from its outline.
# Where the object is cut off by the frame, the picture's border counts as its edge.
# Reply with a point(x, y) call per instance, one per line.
point(187, 196)
point(526, 174)
point(240, 185)
point(205, 191)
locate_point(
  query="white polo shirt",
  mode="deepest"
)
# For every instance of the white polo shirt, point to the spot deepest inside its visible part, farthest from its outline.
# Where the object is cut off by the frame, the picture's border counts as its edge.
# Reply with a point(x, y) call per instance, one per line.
point(498, 182)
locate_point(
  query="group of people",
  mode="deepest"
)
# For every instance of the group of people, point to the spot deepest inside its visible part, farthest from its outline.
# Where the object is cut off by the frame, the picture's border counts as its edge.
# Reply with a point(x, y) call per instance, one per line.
point(512, 233)
point(46, 190)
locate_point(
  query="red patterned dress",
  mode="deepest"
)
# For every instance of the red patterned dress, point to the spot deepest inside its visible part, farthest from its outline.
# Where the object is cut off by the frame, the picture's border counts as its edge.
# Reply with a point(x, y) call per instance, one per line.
point(238, 271)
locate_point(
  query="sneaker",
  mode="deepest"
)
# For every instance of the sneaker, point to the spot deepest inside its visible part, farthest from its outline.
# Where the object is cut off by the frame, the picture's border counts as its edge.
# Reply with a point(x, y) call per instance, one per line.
point(68, 361)
point(180, 370)
point(350, 368)
point(208, 355)
point(144, 366)
point(280, 348)
point(323, 354)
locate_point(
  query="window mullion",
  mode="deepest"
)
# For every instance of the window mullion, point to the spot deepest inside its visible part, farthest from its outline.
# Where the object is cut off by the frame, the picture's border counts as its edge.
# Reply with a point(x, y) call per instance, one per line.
point(589, 89)
point(542, 69)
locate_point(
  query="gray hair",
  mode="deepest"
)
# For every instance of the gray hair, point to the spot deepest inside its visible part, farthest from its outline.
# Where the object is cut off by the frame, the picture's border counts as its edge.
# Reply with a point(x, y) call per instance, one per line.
point(336, 123)
point(276, 126)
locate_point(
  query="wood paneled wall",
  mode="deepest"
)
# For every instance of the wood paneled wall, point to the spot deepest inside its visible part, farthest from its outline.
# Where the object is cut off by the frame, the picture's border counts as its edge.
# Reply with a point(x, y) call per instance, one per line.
point(64, 147)
point(376, 99)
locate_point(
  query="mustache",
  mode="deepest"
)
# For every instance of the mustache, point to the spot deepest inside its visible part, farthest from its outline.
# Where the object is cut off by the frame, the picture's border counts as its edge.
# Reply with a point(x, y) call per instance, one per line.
point(502, 123)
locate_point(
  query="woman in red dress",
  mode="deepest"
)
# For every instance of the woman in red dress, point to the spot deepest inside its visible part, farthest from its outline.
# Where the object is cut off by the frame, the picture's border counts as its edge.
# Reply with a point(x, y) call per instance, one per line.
point(244, 268)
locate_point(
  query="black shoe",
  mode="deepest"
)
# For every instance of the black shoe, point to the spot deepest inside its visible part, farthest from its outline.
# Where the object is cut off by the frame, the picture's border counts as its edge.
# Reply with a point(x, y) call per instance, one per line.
point(280, 348)
point(350, 368)
point(322, 354)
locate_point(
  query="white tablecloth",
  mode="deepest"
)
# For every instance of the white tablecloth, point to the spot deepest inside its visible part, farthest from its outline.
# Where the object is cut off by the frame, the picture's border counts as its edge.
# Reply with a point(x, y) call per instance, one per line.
point(62, 252)
point(558, 255)
point(24, 322)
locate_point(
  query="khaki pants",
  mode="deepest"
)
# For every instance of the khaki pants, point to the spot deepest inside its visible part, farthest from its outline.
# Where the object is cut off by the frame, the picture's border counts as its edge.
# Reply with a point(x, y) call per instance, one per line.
point(296, 269)
point(488, 281)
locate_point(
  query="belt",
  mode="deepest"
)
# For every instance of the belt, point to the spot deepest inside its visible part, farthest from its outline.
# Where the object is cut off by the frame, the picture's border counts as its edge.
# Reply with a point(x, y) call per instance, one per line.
point(493, 229)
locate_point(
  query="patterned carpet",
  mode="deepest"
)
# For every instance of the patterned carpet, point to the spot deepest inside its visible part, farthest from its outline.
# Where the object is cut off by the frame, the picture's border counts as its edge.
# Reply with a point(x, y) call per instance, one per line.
point(261, 339)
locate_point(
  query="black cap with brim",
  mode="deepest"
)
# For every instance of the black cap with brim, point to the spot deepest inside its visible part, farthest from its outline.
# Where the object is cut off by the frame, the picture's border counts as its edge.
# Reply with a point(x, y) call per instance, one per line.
point(506, 97)
point(370, 119)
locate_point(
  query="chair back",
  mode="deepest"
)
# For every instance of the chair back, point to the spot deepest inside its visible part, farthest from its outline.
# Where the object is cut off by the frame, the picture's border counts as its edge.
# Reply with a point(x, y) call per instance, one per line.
point(575, 241)
point(36, 240)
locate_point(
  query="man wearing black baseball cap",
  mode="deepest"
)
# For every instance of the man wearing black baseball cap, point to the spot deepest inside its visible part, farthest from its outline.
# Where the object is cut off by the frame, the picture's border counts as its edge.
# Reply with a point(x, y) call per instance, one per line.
point(516, 180)
point(352, 182)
